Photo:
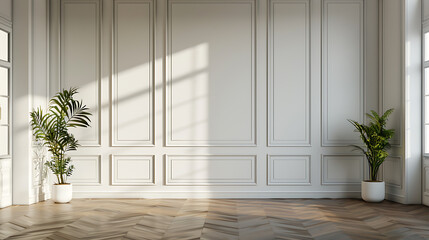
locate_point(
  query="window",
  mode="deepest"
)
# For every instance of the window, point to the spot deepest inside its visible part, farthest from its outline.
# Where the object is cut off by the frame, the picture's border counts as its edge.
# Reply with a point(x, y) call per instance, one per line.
point(4, 46)
point(5, 74)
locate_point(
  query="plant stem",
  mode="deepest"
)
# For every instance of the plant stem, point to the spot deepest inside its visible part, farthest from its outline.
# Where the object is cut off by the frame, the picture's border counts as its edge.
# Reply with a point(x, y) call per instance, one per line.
point(373, 173)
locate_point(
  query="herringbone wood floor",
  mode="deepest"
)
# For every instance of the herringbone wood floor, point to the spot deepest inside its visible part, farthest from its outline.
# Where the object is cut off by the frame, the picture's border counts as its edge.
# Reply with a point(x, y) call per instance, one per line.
point(215, 219)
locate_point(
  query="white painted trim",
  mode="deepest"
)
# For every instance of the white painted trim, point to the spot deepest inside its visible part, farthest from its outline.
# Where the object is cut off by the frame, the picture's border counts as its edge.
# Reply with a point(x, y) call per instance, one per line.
point(206, 182)
point(402, 170)
point(223, 194)
point(270, 103)
point(270, 171)
point(424, 179)
point(114, 79)
point(8, 65)
point(396, 198)
point(326, 142)
point(168, 76)
point(398, 138)
point(325, 173)
point(132, 182)
point(6, 22)
point(413, 101)
point(97, 93)
point(87, 182)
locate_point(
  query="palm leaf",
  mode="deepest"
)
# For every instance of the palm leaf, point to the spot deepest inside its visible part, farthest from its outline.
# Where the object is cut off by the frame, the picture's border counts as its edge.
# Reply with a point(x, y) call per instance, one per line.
point(375, 138)
point(52, 128)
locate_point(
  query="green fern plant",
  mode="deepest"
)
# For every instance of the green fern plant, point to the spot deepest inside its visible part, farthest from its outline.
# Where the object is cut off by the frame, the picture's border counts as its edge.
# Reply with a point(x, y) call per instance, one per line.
point(375, 138)
point(52, 129)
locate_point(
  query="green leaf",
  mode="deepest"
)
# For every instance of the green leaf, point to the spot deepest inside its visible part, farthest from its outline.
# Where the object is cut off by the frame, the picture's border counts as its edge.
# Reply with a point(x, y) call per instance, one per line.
point(52, 128)
point(375, 138)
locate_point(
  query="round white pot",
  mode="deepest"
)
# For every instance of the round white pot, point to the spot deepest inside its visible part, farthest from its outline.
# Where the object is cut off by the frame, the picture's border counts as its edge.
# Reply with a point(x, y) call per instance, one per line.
point(373, 191)
point(62, 193)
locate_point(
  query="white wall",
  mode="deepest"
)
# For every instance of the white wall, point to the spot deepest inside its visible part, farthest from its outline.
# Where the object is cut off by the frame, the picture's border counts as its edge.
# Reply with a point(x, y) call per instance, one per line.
point(22, 177)
point(238, 103)
point(40, 93)
point(30, 89)
point(401, 89)
point(5, 159)
point(5, 142)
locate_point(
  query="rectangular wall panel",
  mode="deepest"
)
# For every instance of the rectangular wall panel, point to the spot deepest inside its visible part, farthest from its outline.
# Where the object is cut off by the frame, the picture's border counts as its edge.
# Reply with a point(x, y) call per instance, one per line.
point(6, 10)
point(392, 171)
point(218, 98)
point(4, 141)
point(210, 92)
point(5, 182)
point(425, 10)
point(133, 74)
point(210, 170)
point(132, 170)
point(4, 110)
point(342, 169)
point(87, 170)
point(80, 60)
point(392, 66)
point(4, 81)
point(289, 73)
point(342, 71)
point(288, 170)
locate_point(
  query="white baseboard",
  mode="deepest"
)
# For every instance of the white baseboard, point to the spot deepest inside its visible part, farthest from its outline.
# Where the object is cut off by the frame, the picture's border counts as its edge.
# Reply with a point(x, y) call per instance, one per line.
point(396, 198)
point(270, 194)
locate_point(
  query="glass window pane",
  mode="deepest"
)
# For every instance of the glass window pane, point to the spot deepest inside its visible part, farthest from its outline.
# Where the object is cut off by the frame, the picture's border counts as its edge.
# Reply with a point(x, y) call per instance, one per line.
point(426, 76)
point(4, 81)
point(426, 139)
point(4, 140)
point(4, 110)
point(4, 45)
point(426, 120)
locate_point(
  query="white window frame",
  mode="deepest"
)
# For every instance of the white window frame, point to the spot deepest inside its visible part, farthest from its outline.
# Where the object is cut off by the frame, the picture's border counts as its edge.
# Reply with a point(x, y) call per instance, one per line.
point(8, 64)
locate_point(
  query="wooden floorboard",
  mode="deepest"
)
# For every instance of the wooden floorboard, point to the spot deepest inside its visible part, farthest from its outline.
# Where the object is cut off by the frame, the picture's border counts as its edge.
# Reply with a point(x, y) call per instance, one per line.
point(221, 219)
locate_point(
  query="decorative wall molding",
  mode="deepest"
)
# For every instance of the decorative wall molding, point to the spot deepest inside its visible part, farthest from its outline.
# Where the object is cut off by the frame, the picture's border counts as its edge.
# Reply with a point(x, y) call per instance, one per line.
point(210, 170)
point(87, 170)
point(342, 75)
point(6, 96)
point(393, 171)
point(392, 70)
point(213, 133)
point(5, 182)
point(342, 169)
point(137, 71)
point(288, 81)
point(5, 22)
point(425, 181)
point(289, 170)
point(132, 170)
point(217, 194)
point(80, 60)
point(6, 12)
point(200, 71)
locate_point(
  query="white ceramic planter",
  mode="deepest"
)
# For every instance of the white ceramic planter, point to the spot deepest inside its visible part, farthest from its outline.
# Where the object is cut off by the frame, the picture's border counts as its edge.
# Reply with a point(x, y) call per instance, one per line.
point(62, 193)
point(373, 191)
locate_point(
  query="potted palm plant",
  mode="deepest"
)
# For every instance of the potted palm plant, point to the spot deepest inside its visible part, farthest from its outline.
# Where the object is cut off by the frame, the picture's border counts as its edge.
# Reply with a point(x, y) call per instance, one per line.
point(52, 129)
point(375, 138)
